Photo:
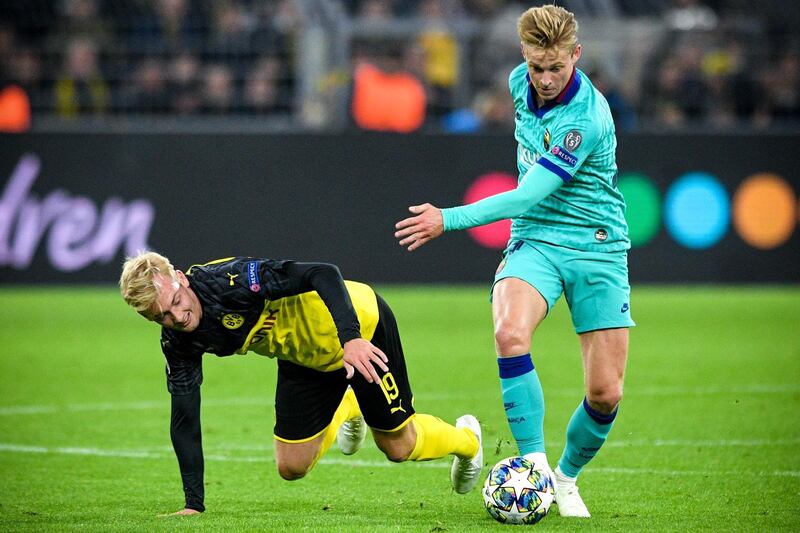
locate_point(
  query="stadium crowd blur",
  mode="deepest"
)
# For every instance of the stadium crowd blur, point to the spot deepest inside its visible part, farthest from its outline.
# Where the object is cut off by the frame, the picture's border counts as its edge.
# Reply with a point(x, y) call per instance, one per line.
point(396, 65)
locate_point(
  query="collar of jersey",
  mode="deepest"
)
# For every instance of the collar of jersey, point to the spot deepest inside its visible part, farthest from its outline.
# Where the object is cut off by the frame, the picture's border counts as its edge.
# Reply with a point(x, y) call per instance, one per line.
point(563, 98)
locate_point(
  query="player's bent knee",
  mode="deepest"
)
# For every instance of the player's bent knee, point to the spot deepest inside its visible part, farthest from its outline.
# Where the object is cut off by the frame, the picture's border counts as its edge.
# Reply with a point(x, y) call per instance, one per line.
point(396, 452)
point(398, 456)
point(511, 339)
point(396, 445)
point(291, 472)
point(605, 400)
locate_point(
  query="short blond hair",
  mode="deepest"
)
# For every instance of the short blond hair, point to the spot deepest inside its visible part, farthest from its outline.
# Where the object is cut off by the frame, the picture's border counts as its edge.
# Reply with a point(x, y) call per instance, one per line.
point(138, 284)
point(548, 27)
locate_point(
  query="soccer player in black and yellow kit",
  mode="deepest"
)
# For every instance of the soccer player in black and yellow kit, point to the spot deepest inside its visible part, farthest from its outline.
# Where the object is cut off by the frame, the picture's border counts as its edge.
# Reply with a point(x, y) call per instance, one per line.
point(340, 362)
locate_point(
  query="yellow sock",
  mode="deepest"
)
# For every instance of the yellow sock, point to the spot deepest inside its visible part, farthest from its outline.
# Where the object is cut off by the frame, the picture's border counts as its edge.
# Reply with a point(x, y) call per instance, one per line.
point(436, 438)
point(347, 409)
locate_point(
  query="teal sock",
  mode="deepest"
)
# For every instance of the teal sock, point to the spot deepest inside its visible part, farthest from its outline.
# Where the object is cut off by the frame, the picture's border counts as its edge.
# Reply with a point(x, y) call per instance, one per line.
point(586, 432)
point(523, 401)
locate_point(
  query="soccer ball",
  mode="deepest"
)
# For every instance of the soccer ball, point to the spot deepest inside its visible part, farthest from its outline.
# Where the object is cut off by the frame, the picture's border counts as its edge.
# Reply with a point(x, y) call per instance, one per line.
point(518, 491)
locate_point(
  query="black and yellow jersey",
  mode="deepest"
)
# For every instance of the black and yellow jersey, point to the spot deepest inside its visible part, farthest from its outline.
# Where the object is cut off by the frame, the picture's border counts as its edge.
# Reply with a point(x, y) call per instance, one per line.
point(299, 312)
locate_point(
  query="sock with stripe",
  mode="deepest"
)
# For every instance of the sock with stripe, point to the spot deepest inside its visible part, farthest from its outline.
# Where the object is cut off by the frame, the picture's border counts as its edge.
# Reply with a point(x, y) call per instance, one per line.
point(523, 401)
point(586, 432)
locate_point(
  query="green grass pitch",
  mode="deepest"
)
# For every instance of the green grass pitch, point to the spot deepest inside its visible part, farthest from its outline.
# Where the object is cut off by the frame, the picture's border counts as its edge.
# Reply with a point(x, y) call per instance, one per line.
point(706, 438)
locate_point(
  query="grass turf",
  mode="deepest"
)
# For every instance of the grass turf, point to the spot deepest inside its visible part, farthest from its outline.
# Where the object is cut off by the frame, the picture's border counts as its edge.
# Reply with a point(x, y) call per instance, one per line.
point(705, 440)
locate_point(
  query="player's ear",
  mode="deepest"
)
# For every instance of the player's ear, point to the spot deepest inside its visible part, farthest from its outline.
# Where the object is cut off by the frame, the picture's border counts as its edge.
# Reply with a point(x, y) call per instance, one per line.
point(576, 54)
point(182, 278)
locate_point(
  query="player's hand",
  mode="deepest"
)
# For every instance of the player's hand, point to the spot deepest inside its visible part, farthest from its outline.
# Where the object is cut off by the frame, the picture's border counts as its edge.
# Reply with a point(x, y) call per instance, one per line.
point(362, 355)
point(415, 231)
point(182, 512)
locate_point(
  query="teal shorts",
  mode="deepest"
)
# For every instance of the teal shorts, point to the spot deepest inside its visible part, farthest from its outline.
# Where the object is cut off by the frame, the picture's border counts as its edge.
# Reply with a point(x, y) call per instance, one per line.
point(595, 284)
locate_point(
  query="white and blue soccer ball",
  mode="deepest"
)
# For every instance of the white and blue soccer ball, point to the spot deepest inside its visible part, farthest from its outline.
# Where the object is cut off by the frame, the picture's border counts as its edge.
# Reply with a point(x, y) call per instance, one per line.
point(518, 491)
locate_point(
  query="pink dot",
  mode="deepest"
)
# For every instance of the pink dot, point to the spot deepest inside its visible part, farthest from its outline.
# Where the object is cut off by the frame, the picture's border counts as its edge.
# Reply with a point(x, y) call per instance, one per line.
point(496, 234)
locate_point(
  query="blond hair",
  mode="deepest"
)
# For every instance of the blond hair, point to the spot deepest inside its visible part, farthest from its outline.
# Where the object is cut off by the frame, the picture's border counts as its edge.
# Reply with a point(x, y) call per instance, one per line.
point(548, 27)
point(138, 284)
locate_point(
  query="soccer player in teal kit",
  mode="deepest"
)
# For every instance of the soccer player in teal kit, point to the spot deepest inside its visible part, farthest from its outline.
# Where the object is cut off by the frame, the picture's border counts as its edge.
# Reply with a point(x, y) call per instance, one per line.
point(568, 236)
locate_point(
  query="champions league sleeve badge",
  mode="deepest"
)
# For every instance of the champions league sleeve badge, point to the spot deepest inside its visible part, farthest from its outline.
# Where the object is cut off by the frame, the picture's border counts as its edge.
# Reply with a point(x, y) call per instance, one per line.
point(572, 140)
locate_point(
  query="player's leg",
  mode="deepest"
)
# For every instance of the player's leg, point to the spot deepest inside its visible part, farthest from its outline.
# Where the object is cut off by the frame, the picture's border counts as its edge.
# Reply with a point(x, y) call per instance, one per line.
point(294, 459)
point(518, 307)
point(427, 437)
point(310, 407)
point(605, 353)
point(400, 432)
point(599, 297)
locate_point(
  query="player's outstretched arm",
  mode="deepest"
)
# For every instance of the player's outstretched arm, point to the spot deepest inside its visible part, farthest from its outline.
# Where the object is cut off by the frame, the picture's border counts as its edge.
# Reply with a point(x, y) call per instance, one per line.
point(430, 221)
point(415, 231)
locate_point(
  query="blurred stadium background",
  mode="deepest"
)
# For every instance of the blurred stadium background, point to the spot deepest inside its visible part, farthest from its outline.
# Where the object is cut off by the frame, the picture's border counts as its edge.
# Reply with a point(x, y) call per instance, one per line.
point(304, 128)
point(291, 64)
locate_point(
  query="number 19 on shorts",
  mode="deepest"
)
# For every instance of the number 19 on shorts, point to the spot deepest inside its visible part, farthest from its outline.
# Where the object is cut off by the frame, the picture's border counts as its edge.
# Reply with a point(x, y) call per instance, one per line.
point(389, 387)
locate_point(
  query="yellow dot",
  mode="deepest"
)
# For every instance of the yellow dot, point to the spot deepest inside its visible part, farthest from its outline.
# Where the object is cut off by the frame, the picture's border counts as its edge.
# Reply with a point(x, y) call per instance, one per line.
point(765, 211)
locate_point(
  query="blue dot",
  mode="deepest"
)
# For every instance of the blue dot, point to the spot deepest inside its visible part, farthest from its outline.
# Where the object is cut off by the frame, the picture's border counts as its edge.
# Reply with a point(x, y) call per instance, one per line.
point(697, 210)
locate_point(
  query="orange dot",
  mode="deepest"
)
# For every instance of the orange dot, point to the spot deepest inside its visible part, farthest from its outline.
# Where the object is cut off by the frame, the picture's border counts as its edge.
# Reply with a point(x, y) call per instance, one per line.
point(765, 211)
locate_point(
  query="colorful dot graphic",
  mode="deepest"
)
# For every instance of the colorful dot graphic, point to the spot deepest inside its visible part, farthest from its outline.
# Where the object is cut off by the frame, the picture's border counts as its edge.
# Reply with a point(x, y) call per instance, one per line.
point(765, 211)
point(696, 210)
point(643, 211)
point(496, 234)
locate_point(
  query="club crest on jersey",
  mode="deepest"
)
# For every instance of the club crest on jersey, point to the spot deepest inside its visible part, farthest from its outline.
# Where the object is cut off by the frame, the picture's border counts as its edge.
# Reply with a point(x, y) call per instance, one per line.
point(546, 140)
point(573, 139)
point(252, 276)
point(564, 155)
point(232, 320)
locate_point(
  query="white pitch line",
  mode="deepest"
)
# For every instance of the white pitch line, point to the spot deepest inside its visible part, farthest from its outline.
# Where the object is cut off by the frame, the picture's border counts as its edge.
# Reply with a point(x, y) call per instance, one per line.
point(493, 394)
point(753, 388)
point(710, 443)
point(441, 464)
point(643, 443)
point(128, 406)
point(72, 450)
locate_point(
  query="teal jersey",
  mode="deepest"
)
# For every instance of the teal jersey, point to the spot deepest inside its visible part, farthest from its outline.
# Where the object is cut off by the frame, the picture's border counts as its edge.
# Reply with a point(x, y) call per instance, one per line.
point(572, 137)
